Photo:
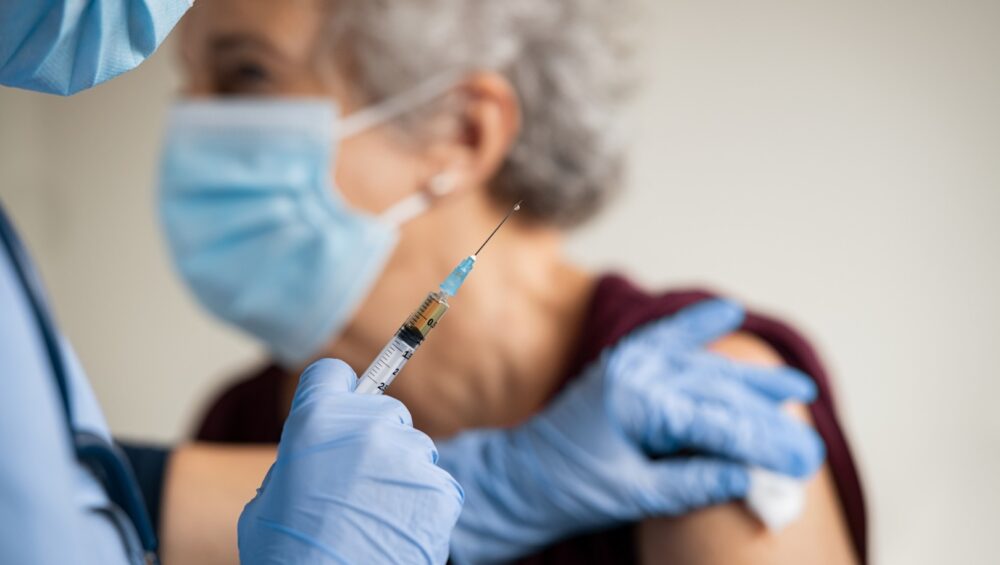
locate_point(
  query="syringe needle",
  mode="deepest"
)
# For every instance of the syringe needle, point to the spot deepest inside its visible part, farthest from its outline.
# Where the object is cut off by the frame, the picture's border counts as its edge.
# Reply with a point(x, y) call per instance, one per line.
point(457, 277)
point(402, 346)
point(500, 225)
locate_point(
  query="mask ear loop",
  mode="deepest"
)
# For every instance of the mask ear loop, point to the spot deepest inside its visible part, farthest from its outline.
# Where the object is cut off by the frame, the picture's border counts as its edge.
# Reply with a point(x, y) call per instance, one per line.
point(391, 108)
point(397, 105)
point(440, 185)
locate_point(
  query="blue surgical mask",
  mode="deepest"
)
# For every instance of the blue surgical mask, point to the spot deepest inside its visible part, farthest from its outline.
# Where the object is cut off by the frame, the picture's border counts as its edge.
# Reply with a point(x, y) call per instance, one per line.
point(255, 226)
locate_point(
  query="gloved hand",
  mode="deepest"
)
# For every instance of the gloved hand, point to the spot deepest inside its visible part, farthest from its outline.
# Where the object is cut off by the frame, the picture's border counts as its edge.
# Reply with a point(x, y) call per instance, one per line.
point(353, 482)
point(586, 461)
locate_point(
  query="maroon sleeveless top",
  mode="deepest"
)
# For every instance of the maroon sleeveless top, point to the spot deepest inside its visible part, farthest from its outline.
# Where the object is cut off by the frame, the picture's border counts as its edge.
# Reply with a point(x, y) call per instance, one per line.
point(247, 412)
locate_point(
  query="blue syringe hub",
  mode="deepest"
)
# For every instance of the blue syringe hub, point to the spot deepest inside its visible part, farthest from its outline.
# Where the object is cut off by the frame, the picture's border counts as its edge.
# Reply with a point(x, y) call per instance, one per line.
point(454, 281)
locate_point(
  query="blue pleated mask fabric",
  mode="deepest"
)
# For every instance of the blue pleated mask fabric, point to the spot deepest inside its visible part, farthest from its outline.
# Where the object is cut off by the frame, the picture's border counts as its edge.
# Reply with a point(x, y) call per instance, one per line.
point(256, 228)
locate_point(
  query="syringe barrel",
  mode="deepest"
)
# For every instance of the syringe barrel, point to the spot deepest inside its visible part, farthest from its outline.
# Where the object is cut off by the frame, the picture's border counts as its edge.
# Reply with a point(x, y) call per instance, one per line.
point(386, 366)
point(390, 361)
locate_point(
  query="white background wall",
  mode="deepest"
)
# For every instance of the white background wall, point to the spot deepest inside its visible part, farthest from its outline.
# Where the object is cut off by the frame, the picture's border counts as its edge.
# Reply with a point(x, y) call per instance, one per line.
point(836, 162)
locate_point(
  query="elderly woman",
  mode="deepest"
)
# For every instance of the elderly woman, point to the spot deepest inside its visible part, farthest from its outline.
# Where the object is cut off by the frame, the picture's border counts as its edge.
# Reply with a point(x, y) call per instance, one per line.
point(450, 111)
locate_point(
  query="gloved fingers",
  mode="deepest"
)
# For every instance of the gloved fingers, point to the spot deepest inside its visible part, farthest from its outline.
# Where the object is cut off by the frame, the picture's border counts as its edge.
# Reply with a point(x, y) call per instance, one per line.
point(654, 351)
point(779, 383)
point(742, 426)
point(456, 492)
point(689, 483)
point(695, 325)
point(390, 441)
point(423, 443)
point(723, 419)
point(267, 479)
point(332, 378)
point(324, 375)
point(252, 508)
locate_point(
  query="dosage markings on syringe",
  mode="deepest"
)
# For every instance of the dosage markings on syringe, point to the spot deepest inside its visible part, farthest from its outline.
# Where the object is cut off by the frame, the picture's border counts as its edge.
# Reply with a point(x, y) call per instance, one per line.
point(393, 357)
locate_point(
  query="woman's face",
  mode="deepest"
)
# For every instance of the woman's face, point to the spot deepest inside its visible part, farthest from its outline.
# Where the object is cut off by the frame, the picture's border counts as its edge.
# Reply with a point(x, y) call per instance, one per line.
point(268, 48)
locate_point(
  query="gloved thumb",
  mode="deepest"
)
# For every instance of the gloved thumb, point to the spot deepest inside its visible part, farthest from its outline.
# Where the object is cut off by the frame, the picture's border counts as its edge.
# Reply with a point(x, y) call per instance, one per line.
point(708, 321)
point(693, 326)
point(325, 376)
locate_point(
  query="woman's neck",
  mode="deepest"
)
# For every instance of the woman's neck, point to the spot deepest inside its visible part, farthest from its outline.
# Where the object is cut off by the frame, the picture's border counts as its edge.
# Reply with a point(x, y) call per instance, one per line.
point(501, 349)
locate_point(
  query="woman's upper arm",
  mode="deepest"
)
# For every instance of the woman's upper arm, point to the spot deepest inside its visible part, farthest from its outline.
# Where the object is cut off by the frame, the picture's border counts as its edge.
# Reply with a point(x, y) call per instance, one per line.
point(728, 534)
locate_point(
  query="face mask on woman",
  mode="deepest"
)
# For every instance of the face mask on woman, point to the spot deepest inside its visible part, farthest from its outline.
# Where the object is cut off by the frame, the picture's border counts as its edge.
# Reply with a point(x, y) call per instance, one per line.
point(255, 226)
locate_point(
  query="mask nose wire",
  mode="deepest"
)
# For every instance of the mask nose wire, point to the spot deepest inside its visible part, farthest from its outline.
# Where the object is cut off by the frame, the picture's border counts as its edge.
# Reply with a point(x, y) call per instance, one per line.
point(397, 105)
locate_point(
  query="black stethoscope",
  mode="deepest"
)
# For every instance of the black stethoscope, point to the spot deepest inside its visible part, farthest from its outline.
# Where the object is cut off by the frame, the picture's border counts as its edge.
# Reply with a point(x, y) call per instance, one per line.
point(104, 459)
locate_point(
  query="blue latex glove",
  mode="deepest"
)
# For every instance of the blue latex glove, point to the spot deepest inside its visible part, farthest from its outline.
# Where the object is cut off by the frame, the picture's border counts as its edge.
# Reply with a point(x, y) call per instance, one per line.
point(586, 462)
point(64, 46)
point(353, 482)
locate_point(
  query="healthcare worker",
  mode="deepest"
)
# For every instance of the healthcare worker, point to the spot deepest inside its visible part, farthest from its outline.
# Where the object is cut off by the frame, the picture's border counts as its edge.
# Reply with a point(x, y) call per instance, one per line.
point(353, 482)
point(352, 476)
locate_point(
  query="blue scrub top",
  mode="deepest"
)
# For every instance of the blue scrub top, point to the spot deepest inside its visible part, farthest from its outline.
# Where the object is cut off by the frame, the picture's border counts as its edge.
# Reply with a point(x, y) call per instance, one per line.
point(52, 509)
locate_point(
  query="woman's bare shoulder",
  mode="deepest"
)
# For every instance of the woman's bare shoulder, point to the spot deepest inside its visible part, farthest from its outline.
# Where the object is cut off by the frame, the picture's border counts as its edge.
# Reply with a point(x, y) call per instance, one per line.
point(729, 535)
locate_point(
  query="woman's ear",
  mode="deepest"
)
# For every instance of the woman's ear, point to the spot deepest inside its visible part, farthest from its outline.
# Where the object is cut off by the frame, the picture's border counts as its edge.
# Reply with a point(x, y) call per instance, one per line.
point(486, 128)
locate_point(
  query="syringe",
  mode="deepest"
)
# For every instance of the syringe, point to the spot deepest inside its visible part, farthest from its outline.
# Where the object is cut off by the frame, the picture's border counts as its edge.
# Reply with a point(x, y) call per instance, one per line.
point(386, 367)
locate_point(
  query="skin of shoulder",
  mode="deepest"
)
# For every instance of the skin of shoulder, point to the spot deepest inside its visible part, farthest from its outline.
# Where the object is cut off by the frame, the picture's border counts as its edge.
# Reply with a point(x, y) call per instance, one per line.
point(728, 534)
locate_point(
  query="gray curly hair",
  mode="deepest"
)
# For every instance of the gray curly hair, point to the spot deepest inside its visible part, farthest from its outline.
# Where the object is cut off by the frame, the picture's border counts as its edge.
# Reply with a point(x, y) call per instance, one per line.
point(564, 59)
